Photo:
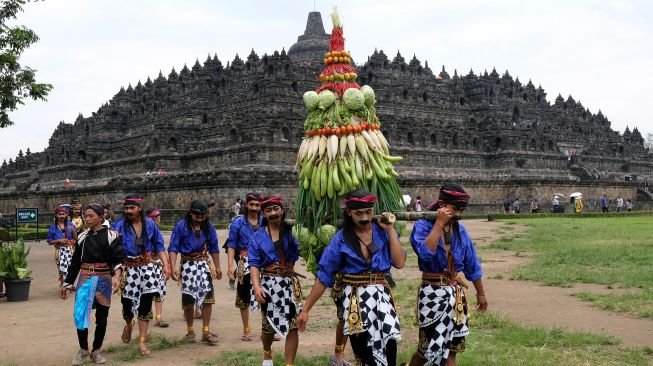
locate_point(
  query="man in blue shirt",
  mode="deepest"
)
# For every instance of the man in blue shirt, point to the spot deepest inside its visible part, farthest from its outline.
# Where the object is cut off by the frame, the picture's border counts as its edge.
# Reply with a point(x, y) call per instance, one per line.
point(273, 252)
point(142, 244)
point(362, 251)
point(62, 234)
point(604, 203)
point(444, 248)
point(241, 231)
point(194, 237)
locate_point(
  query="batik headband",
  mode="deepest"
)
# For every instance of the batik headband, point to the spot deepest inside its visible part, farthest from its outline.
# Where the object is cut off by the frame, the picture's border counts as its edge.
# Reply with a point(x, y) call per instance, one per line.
point(354, 203)
point(272, 201)
point(133, 202)
point(154, 214)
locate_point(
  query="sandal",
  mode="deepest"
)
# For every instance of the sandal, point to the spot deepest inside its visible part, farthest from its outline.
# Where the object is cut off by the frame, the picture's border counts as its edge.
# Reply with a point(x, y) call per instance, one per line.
point(127, 332)
point(247, 335)
point(209, 338)
point(336, 362)
point(145, 351)
point(190, 337)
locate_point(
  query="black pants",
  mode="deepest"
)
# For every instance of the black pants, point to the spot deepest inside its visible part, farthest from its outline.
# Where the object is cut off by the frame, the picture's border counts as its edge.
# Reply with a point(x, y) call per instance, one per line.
point(101, 315)
point(604, 209)
point(144, 307)
point(363, 352)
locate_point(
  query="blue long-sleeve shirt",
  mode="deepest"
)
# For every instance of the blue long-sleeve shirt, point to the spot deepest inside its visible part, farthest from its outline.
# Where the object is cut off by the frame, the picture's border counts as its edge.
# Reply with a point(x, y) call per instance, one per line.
point(462, 248)
point(54, 233)
point(338, 257)
point(262, 253)
point(241, 233)
point(604, 202)
point(153, 241)
point(183, 239)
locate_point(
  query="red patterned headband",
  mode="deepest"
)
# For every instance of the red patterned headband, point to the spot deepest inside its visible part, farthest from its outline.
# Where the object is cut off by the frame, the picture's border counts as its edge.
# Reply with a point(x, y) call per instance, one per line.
point(60, 209)
point(132, 201)
point(357, 203)
point(154, 214)
point(276, 200)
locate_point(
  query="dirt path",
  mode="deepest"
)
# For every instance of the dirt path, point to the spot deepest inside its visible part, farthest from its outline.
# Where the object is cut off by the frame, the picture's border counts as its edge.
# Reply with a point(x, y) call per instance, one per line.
point(41, 330)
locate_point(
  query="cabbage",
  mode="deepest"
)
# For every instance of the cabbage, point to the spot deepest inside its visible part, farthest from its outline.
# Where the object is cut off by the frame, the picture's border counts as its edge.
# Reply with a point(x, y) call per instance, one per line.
point(325, 233)
point(311, 100)
point(327, 98)
point(302, 234)
point(353, 98)
point(368, 92)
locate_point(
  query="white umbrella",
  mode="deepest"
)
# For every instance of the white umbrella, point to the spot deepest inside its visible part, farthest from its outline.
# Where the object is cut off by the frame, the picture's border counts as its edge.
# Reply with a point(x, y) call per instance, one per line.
point(576, 194)
point(406, 199)
point(560, 195)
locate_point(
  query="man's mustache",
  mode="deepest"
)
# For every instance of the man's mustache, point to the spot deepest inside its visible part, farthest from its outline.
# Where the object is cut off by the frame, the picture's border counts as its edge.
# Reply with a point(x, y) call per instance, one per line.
point(274, 217)
point(364, 222)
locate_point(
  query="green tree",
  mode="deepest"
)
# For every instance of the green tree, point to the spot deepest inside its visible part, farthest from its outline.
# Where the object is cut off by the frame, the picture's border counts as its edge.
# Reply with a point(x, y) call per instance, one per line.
point(17, 82)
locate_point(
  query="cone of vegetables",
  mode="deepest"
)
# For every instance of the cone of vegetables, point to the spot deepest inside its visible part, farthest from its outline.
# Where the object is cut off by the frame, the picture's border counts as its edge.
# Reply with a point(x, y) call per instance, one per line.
point(343, 149)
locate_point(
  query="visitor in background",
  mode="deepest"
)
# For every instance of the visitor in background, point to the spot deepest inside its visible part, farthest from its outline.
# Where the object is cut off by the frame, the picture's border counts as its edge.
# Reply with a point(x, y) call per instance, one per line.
point(579, 204)
point(418, 204)
point(506, 205)
point(604, 203)
point(629, 205)
point(535, 206)
point(516, 206)
point(620, 204)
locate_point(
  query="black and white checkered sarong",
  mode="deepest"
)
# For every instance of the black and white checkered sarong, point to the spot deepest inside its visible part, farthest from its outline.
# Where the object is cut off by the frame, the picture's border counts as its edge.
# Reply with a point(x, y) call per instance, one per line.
point(378, 317)
point(139, 280)
point(281, 298)
point(436, 304)
point(65, 257)
point(195, 276)
point(162, 279)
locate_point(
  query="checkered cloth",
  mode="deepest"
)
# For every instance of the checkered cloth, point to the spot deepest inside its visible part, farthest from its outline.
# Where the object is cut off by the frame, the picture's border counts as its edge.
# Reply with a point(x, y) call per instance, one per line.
point(280, 299)
point(378, 317)
point(139, 280)
point(436, 304)
point(162, 279)
point(195, 276)
point(65, 257)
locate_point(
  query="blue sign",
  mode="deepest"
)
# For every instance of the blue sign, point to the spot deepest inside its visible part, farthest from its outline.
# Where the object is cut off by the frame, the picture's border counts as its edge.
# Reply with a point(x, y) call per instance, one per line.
point(27, 215)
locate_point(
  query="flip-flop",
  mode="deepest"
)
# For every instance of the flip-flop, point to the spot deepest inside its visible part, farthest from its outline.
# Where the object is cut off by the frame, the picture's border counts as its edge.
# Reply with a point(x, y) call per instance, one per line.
point(127, 332)
point(247, 335)
point(210, 339)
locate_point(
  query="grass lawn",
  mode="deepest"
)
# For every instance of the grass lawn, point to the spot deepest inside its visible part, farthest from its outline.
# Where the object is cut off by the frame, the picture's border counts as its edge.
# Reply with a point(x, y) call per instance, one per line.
point(494, 341)
point(608, 251)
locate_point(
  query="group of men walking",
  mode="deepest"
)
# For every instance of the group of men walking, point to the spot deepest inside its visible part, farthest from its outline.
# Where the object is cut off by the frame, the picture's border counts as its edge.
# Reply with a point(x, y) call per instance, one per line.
point(129, 256)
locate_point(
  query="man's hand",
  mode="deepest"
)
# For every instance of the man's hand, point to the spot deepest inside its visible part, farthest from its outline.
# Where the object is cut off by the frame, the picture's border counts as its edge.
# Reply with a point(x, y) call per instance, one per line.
point(218, 273)
point(231, 274)
point(302, 320)
point(175, 274)
point(481, 305)
point(387, 226)
point(166, 272)
point(259, 294)
point(115, 283)
point(444, 215)
point(63, 292)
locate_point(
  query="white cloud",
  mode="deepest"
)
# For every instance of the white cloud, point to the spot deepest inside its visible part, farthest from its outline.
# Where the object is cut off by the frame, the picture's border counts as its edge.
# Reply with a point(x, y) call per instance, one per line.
point(599, 52)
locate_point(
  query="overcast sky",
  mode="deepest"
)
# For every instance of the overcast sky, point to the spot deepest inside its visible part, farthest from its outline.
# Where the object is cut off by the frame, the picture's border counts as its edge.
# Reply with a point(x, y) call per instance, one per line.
point(600, 52)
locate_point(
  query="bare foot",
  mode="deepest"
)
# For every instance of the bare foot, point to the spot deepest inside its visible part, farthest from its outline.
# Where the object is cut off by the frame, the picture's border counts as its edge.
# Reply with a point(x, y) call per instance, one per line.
point(142, 348)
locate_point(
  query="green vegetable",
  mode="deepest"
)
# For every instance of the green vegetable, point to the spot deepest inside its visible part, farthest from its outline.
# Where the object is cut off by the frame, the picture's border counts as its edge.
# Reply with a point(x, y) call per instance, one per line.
point(325, 233)
point(327, 98)
point(311, 99)
point(368, 94)
point(353, 98)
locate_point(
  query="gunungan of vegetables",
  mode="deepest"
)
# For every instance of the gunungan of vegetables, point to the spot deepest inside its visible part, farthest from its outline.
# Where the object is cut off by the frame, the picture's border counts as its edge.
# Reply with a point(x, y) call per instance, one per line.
point(343, 148)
